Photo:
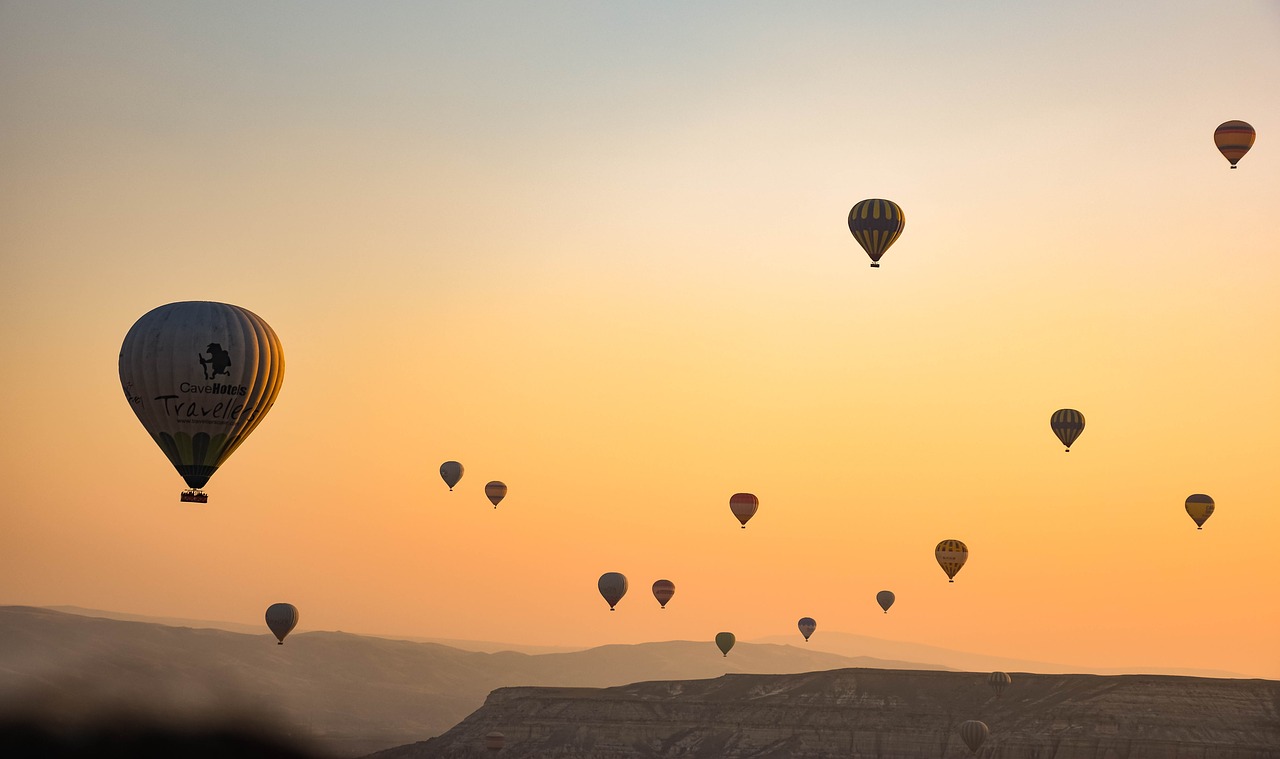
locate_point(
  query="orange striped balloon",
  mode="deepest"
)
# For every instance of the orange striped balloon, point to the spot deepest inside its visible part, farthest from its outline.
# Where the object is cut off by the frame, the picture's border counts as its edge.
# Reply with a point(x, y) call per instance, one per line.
point(876, 223)
point(1234, 138)
point(495, 491)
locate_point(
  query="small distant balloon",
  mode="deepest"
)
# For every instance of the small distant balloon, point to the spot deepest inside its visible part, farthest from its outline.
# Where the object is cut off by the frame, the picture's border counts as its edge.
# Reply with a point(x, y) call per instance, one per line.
point(451, 472)
point(876, 223)
point(1200, 507)
point(1067, 424)
point(807, 625)
point(885, 598)
point(613, 586)
point(744, 506)
point(998, 682)
point(951, 555)
point(281, 619)
point(724, 642)
point(495, 741)
point(1234, 138)
point(973, 733)
point(495, 491)
point(663, 590)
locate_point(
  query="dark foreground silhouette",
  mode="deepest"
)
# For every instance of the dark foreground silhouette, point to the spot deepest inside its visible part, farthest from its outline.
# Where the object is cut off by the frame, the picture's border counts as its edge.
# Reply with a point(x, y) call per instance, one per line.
point(133, 739)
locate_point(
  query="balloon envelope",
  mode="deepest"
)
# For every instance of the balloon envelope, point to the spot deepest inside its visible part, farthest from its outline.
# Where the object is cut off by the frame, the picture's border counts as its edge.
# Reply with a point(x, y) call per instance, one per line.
point(495, 741)
point(973, 733)
point(613, 586)
point(951, 555)
point(724, 642)
point(885, 598)
point(807, 625)
point(1200, 507)
point(1234, 138)
point(451, 472)
point(663, 590)
point(495, 491)
point(200, 376)
point(876, 223)
point(281, 619)
point(743, 506)
point(999, 681)
point(1067, 424)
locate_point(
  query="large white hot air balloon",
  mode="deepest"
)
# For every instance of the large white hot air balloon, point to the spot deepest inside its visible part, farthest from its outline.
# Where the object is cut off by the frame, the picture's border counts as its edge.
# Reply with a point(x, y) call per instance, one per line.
point(200, 376)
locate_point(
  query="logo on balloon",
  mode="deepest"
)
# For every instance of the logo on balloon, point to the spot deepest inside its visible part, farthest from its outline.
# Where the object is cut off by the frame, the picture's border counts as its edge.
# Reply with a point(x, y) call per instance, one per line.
point(219, 361)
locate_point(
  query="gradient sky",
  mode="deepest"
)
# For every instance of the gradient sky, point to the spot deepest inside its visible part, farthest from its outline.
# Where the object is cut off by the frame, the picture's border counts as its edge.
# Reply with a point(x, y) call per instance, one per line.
point(599, 251)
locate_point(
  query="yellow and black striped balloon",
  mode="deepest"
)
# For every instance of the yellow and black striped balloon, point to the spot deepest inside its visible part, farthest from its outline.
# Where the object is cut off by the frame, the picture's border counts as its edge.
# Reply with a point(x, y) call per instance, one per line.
point(1200, 507)
point(1234, 138)
point(1067, 424)
point(951, 555)
point(875, 224)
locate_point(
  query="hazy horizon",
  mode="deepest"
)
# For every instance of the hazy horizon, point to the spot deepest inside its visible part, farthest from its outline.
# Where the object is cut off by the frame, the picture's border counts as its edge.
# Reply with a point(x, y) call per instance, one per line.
point(599, 252)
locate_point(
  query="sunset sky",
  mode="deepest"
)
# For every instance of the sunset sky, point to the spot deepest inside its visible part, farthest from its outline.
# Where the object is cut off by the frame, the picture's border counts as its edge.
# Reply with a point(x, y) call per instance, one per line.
point(599, 251)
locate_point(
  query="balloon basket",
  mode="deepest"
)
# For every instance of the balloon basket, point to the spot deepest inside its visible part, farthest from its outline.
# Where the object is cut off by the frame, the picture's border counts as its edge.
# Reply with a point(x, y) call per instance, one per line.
point(194, 496)
point(875, 265)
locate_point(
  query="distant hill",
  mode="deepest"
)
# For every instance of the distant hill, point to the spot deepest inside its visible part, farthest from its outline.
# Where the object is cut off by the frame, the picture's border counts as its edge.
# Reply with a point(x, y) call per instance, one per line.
point(347, 694)
point(487, 646)
point(847, 644)
point(875, 714)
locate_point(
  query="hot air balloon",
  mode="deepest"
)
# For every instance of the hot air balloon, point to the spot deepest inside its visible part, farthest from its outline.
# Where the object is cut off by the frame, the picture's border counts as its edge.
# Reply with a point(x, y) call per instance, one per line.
point(725, 641)
point(663, 590)
point(973, 733)
point(951, 555)
point(495, 491)
point(281, 619)
point(875, 224)
point(1233, 138)
point(495, 741)
point(451, 472)
point(998, 682)
point(807, 626)
point(885, 599)
point(744, 506)
point(1200, 507)
point(613, 586)
point(1067, 424)
point(200, 376)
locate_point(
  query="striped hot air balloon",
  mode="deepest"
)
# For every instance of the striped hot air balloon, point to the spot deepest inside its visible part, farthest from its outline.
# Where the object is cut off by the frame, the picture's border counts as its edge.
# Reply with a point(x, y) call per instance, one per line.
point(1067, 424)
point(1233, 138)
point(663, 590)
point(974, 733)
point(876, 223)
point(998, 682)
point(1200, 507)
point(495, 741)
point(743, 506)
point(807, 625)
point(885, 598)
point(951, 556)
point(495, 491)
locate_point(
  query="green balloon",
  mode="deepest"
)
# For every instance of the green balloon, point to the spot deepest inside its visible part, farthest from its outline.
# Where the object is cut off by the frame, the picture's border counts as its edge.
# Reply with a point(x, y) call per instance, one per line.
point(725, 641)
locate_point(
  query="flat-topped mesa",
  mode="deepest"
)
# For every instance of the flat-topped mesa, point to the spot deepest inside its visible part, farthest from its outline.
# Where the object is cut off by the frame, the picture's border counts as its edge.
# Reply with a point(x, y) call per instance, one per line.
point(876, 714)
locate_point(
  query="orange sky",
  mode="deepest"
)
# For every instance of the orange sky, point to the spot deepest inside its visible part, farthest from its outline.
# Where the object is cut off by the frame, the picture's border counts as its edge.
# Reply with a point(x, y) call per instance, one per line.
point(601, 255)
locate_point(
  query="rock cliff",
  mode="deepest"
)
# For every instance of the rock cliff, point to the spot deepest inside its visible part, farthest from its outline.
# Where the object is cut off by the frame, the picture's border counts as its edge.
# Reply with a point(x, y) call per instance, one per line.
point(876, 714)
